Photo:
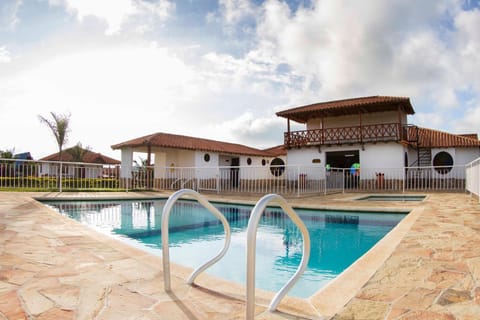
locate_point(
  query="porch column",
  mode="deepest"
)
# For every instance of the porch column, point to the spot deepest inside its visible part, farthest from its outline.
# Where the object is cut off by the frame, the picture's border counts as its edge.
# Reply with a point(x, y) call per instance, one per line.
point(160, 165)
point(323, 131)
point(148, 168)
point(400, 124)
point(361, 129)
point(127, 163)
point(288, 132)
point(126, 168)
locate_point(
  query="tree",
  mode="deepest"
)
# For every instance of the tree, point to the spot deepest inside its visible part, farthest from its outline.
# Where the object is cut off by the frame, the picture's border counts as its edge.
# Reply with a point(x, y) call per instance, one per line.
point(78, 152)
point(7, 154)
point(59, 127)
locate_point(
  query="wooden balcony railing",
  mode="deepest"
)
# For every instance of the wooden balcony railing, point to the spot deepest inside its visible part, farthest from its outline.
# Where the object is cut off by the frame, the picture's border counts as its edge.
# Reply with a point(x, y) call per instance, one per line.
point(345, 135)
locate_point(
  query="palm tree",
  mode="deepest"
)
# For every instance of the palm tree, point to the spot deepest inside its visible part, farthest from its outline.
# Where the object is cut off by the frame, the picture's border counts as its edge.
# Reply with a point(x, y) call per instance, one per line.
point(59, 127)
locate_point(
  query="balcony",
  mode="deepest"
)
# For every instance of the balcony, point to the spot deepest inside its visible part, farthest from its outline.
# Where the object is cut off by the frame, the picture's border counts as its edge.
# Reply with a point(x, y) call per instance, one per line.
point(346, 135)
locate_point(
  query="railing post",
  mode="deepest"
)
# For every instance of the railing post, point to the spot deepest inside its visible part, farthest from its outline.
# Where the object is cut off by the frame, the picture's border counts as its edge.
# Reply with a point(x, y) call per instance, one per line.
point(478, 181)
point(298, 181)
point(325, 181)
point(60, 175)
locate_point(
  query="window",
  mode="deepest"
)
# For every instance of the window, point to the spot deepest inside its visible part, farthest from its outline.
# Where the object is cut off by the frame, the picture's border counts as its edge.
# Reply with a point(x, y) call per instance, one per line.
point(443, 162)
point(206, 157)
point(264, 162)
point(249, 161)
point(277, 167)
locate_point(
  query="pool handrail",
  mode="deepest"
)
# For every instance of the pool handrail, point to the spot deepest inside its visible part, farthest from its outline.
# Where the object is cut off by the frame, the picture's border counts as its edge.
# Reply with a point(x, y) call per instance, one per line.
point(164, 229)
point(253, 222)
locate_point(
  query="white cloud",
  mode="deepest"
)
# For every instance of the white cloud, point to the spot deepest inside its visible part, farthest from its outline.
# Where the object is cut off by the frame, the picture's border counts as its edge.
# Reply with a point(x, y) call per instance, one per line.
point(470, 120)
point(248, 127)
point(117, 13)
point(233, 11)
point(429, 120)
point(9, 14)
point(5, 56)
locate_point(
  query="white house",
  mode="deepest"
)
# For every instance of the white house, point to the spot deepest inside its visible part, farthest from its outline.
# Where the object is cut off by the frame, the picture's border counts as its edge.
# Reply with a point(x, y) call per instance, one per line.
point(185, 160)
point(91, 165)
point(374, 133)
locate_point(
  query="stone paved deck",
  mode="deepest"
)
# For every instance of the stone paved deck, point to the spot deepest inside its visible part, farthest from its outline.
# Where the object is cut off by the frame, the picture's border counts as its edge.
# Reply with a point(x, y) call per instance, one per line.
point(54, 268)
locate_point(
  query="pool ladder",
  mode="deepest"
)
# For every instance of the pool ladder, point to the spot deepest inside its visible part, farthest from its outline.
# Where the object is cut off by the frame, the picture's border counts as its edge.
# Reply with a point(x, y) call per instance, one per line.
point(253, 222)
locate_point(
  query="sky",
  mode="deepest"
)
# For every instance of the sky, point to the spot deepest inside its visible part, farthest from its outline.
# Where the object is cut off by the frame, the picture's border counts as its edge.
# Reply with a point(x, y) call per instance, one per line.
point(221, 69)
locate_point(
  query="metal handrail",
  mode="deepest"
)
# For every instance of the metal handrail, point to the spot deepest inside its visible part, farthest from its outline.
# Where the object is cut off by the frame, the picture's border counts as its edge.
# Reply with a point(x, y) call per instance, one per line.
point(251, 247)
point(164, 228)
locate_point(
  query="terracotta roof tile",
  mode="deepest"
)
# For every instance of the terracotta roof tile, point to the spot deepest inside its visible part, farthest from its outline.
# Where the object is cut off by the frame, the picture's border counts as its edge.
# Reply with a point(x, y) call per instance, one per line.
point(347, 106)
point(469, 135)
point(89, 157)
point(166, 140)
point(439, 139)
point(279, 150)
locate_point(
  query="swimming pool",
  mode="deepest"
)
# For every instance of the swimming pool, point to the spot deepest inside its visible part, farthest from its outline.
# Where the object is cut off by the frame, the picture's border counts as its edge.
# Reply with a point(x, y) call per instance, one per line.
point(338, 238)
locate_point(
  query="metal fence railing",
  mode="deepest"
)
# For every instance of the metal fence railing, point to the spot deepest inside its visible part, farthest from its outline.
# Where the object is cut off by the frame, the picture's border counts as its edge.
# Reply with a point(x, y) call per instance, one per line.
point(472, 173)
point(32, 175)
point(54, 175)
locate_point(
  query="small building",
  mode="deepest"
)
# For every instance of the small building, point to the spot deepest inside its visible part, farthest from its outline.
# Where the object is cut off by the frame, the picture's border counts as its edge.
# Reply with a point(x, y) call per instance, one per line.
point(79, 163)
point(213, 162)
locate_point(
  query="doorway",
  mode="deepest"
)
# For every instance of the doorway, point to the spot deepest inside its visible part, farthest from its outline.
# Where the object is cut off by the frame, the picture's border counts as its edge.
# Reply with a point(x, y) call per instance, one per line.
point(337, 160)
point(342, 159)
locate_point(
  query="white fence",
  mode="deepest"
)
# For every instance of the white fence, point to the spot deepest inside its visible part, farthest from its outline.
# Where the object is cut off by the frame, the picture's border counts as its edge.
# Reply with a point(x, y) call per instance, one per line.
point(473, 177)
point(286, 180)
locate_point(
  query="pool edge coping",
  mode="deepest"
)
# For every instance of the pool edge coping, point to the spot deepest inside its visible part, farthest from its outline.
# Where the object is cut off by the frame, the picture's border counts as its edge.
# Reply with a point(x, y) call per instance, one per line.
point(330, 299)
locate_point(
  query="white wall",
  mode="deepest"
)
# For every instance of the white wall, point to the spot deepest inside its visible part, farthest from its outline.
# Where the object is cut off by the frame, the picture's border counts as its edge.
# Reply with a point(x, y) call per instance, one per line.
point(383, 155)
point(180, 158)
point(200, 159)
point(127, 163)
point(304, 156)
point(160, 164)
point(354, 120)
point(379, 155)
point(374, 156)
point(300, 162)
point(464, 156)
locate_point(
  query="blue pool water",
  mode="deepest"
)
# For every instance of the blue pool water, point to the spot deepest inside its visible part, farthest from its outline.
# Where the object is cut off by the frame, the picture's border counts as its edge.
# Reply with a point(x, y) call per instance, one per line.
point(337, 238)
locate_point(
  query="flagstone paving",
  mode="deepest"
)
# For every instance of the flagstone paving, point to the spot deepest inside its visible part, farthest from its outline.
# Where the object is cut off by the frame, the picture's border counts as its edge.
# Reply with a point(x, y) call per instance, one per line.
point(55, 268)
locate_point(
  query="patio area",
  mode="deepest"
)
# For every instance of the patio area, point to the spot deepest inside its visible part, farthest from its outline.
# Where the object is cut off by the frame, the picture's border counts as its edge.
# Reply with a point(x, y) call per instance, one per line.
point(55, 268)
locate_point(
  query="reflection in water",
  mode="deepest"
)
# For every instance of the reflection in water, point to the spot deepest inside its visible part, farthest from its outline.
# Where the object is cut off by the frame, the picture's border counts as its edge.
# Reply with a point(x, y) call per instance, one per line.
point(337, 238)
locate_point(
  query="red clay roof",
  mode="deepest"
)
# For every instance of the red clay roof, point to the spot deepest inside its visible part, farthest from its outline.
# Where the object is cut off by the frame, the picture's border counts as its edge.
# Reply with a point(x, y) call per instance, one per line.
point(439, 139)
point(166, 140)
point(348, 106)
point(89, 157)
point(279, 150)
point(469, 135)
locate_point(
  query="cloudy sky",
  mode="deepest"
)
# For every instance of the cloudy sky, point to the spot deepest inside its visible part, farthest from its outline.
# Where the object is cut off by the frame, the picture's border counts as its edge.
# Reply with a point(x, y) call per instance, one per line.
point(220, 69)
